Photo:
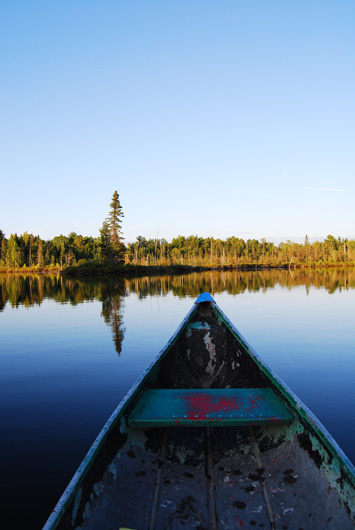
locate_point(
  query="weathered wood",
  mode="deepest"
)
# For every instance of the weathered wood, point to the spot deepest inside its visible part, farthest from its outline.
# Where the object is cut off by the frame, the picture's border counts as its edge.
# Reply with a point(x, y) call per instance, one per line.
point(209, 407)
point(270, 464)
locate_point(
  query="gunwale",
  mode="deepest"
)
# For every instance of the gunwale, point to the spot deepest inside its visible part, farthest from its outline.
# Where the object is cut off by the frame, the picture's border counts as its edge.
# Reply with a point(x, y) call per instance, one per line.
point(323, 437)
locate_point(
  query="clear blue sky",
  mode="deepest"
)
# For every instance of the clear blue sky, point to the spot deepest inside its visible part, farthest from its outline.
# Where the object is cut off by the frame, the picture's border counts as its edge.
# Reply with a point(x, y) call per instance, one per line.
point(215, 118)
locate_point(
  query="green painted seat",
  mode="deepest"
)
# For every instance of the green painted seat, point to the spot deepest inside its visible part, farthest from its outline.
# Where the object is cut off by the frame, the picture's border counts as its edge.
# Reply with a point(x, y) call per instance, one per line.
point(208, 407)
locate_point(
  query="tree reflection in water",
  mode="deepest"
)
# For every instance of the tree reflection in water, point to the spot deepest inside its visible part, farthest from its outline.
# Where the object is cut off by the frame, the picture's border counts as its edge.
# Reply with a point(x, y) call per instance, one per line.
point(112, 294)
point(31, 289)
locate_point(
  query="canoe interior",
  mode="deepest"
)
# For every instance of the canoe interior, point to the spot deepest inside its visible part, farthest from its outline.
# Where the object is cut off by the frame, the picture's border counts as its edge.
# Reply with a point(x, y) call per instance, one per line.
point(283, 476)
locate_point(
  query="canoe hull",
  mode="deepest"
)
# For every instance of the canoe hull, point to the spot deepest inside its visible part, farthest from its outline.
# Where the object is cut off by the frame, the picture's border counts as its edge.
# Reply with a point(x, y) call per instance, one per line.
point(276, 476)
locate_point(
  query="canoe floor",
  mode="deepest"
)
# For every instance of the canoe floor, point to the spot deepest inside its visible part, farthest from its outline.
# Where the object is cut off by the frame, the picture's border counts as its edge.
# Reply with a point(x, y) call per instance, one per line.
point(223, 478)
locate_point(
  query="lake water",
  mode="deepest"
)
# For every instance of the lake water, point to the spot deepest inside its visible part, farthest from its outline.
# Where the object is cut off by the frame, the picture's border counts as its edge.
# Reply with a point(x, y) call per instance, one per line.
point(70, 350)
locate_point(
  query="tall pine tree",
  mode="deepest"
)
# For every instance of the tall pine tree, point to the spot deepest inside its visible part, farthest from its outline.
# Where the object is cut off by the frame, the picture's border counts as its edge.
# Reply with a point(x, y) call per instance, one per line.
point(111, 240)
point(115, 225)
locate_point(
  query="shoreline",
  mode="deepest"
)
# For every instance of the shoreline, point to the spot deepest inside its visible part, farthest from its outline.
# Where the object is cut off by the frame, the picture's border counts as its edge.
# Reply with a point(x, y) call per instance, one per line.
point(130, 270)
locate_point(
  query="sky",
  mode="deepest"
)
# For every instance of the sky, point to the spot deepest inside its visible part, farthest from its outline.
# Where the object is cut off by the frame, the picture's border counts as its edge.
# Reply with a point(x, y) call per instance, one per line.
point(210, 118)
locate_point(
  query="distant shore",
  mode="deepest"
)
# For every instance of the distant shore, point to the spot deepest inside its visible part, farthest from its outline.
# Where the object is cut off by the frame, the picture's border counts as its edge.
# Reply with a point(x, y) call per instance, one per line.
point(130, 270)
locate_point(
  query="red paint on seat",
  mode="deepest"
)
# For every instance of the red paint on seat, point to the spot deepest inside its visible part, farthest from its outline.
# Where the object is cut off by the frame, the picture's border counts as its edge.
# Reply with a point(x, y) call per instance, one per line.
point(198, 406)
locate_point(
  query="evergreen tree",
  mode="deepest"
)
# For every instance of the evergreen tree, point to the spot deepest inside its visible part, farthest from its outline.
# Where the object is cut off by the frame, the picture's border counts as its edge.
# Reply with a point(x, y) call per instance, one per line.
point(3, 252)
point(2, 249)
point(105, 249)
point(115, 225)
point(12, 258)
point(40, 252)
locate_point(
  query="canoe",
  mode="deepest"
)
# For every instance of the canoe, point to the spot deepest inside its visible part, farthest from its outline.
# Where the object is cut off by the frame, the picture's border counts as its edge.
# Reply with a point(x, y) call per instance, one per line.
point(210, 438)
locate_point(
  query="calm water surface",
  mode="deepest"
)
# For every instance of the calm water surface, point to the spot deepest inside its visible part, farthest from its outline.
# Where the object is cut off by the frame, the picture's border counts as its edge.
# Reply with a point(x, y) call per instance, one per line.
point(70, 350)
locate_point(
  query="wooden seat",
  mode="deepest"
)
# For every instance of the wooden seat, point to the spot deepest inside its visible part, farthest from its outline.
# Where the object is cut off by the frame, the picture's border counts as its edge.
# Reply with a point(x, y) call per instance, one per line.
point(208, 407)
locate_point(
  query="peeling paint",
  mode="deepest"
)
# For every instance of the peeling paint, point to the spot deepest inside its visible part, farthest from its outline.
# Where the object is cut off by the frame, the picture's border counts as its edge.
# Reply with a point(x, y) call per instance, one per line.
point(181, 454)
point(137, 436)
point(87, 511)
point(305, 431)
point(166, 503)
point(196, 325)
point(113, 470)
point(98, 489)
point(211, 348)
point(240, 522)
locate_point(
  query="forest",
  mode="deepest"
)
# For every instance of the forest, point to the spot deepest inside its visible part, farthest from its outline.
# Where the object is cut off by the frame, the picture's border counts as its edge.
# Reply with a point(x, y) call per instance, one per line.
point(107, 251)
point(30, 252)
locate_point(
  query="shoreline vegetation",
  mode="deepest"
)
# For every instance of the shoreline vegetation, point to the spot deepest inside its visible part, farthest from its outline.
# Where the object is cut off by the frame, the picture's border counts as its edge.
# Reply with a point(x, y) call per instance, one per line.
point(77, 255)
point(82, 255)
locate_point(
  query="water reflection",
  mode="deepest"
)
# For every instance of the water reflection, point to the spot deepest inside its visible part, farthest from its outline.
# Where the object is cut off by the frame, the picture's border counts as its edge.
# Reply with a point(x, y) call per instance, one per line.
point(61, 380)
point(111, 294)
point(32, 289)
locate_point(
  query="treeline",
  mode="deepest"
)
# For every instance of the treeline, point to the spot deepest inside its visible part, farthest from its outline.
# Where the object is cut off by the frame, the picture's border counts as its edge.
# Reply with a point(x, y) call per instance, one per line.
point(28, 251)
point(234, 252)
